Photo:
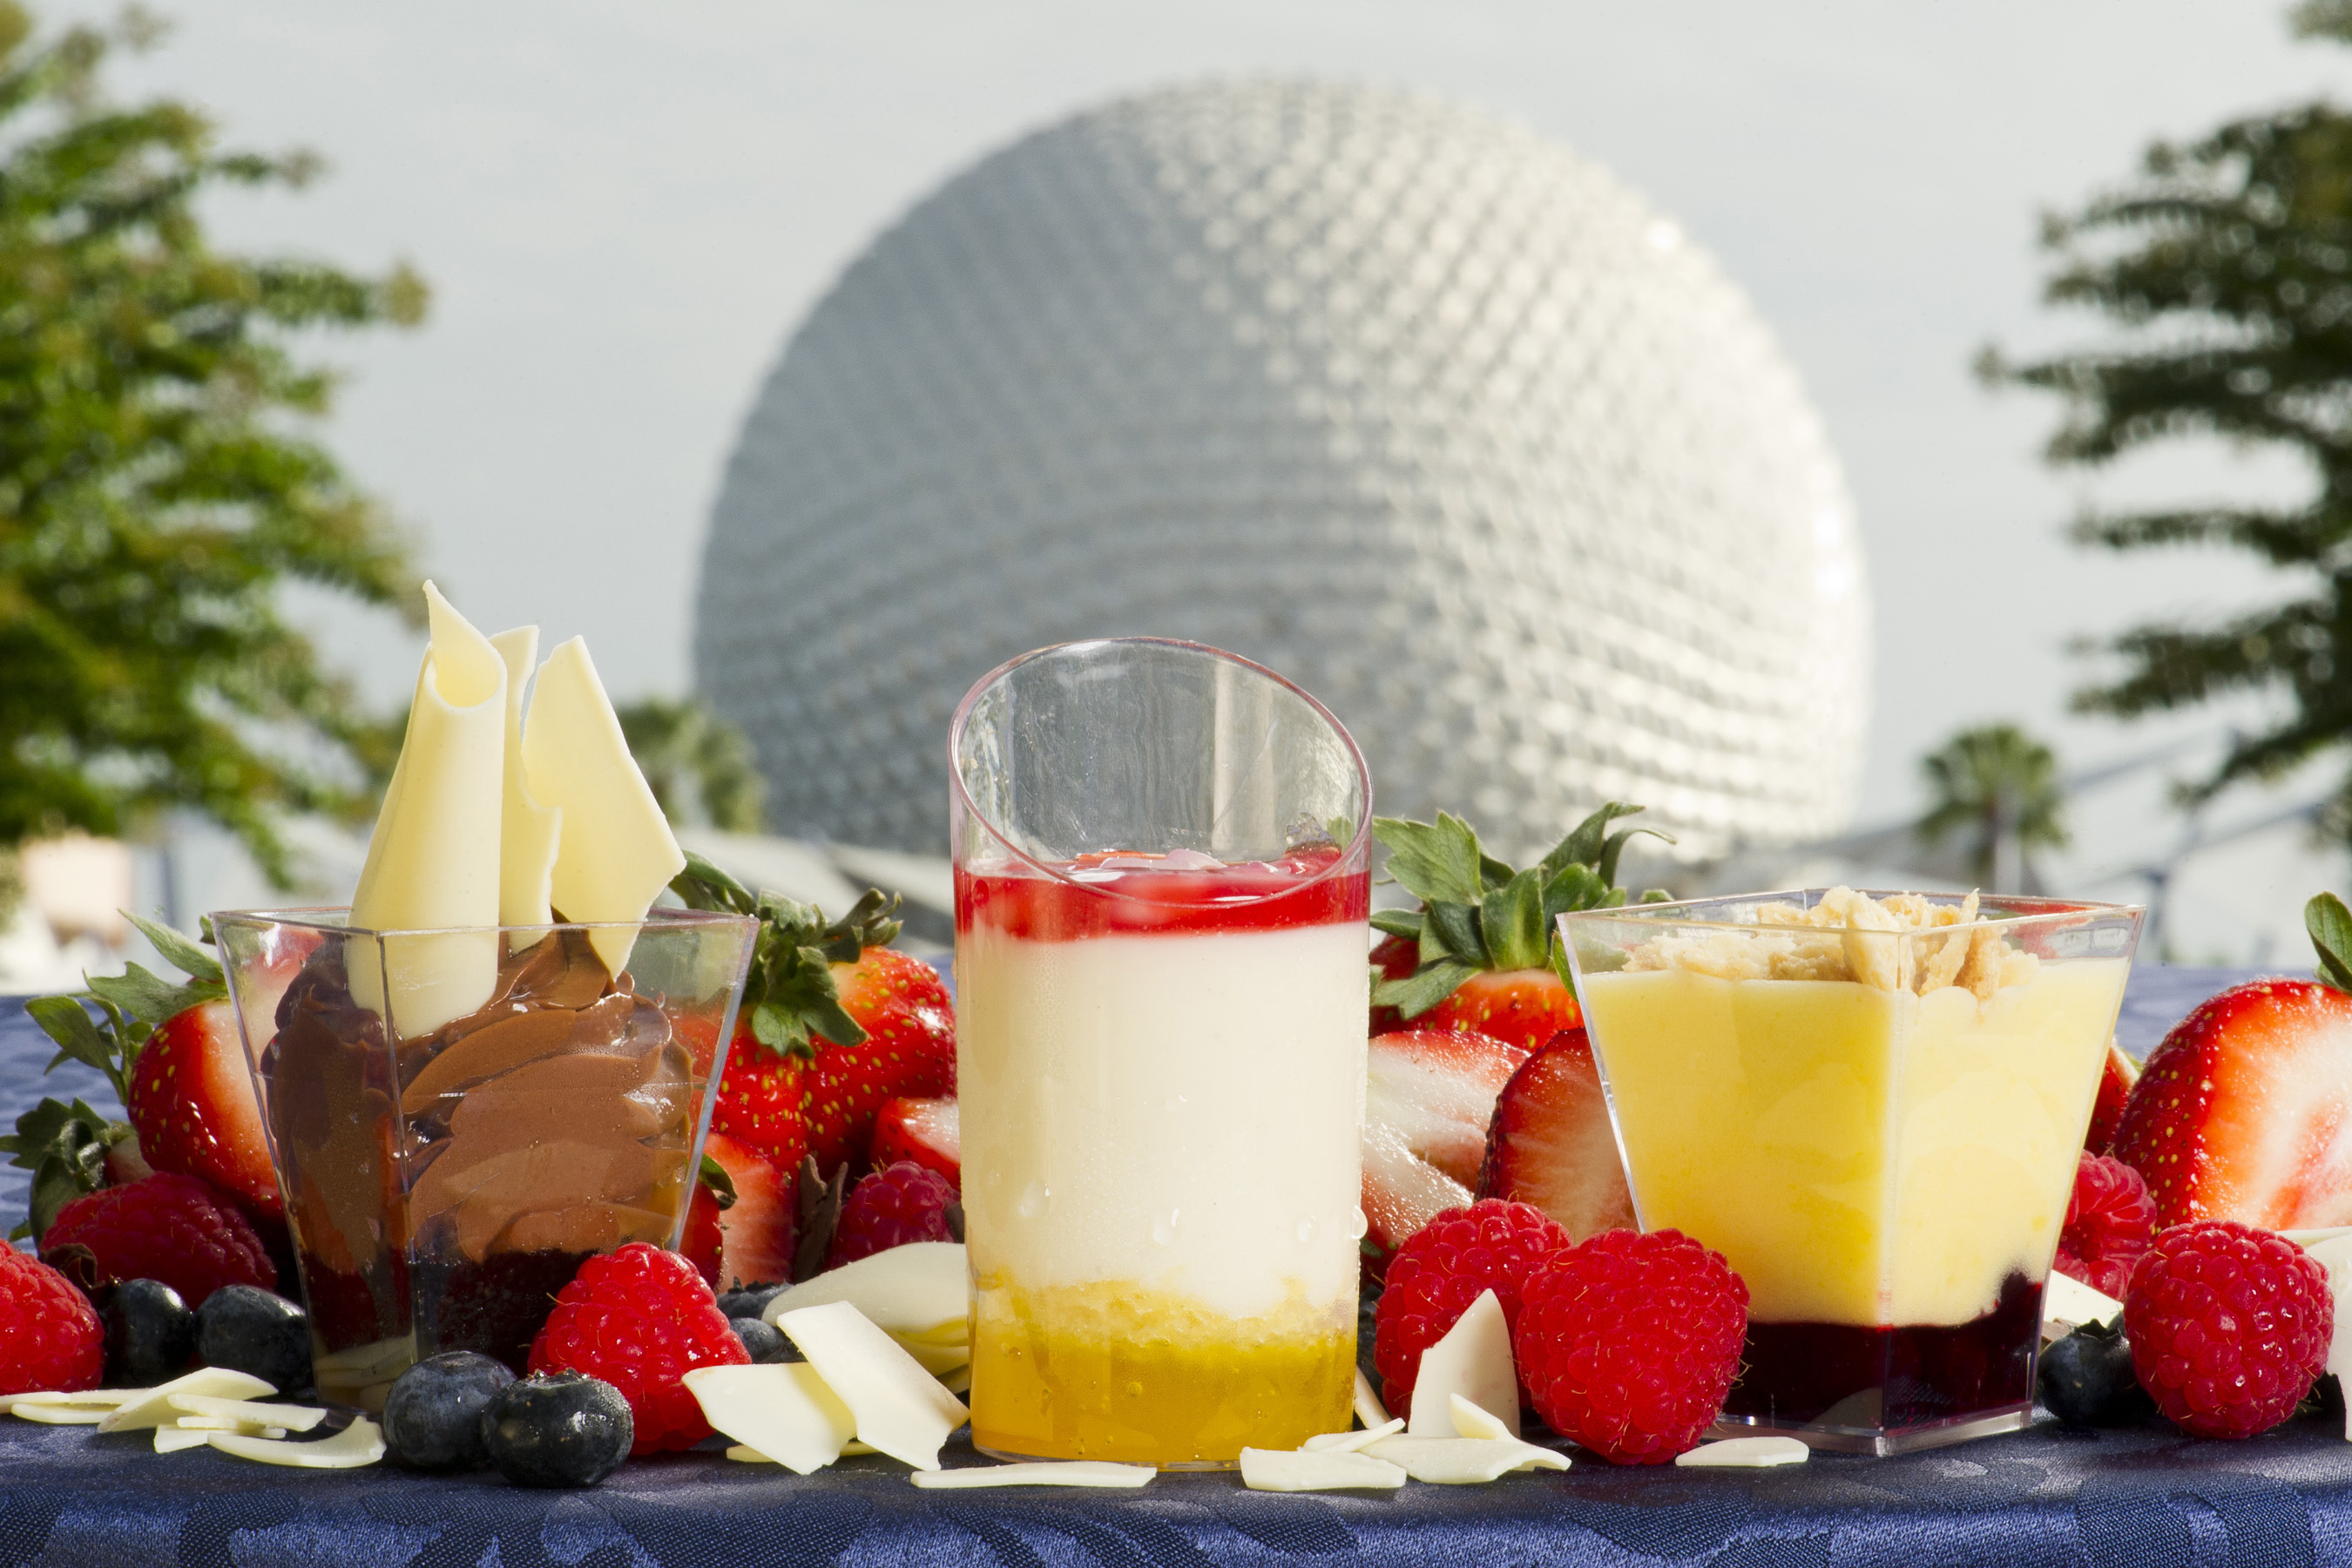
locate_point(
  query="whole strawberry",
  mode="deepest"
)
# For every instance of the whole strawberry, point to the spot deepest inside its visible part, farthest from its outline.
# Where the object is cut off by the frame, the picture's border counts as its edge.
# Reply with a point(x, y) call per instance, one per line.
point(50, 1337)
point(175, 1057)
point(2110, 1221)
point(641, 1319)
point(834, 1024)
point(2229, 1327)
point(899, 1203)
point(1481, 954)
point(169, 1227)
point(1445, 1267)
point(1628, 1342)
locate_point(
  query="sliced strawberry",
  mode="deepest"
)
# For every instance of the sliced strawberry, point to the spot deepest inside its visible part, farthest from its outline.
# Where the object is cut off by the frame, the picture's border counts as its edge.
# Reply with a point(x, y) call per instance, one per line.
point(193, 1105)
point(1430, 1096)
point(739, 1229)
point(928, 1132)
point(1524, 1006)
point(1551, 1144)
point(2115, 1080)
point(2242, 1112)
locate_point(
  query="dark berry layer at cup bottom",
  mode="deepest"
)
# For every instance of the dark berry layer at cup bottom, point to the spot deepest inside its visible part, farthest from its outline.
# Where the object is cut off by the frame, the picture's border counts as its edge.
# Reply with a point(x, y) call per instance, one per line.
point(496, 1306)
point(1891, 1377)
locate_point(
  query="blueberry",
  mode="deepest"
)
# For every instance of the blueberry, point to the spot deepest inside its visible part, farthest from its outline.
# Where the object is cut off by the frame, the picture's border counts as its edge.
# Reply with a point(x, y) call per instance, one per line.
point(764, 1340)
point(749, 1301)
point(432, 1418)
point(149, 1333)
point(565, 1429)
point(253, 1331)
point(2087, 1379)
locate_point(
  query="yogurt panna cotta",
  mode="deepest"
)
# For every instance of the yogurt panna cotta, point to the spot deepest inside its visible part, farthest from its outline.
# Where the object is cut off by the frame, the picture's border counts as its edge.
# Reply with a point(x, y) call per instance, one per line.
point(1161, 1062)
point(1872, 1107)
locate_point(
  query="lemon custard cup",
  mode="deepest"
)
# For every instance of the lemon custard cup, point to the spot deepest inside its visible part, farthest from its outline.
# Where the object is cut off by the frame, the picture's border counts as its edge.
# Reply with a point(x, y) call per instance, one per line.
point(1873, 1105)
point(1161, 924)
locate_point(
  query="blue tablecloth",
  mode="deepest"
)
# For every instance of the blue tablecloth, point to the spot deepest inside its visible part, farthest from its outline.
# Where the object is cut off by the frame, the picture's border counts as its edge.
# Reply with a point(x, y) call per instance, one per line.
point(2144, 1496)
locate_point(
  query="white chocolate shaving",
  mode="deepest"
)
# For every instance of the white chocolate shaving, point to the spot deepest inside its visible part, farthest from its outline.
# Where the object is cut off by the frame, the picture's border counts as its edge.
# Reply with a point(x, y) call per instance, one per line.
point(1057, 1473)
point(1280, 1470)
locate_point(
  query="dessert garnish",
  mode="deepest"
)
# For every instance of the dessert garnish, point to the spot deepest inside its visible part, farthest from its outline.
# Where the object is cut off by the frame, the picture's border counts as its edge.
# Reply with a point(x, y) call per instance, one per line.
point(1300, 1470)
point(1352, 1442)
point(2229, 1327)
point(637, 1318)
point(891, 1207)
point(257, 1332)
point(2087, 1379)
point(784, 1412)
point(1845, 936)
point(1745, 1454)
point(557, 1429)
point(1549, 1142)
point(151, 1335)
point(1037, 1473)
point(1628, 1342)
point(1429, 1100)
point(2110, 1221)
point(1472, 1364)
point(433, 1416)
point(1489, 1248)
point(918, 1294)
point(2236, 1113)
point(50, 1338)
point(2116, 1079)
point(169, 1227)
point(898, 1407)
point(924, 1131)
point(1482, 952)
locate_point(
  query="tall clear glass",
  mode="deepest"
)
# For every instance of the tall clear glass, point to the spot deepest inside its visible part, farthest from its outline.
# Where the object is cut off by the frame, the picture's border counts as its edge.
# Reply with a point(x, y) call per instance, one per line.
point(1873, 1107)
point(443, 1184)
point(1161, 904)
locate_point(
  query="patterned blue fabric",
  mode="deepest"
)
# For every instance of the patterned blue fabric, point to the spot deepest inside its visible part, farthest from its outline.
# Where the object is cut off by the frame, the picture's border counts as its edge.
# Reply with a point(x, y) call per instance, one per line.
point(2145, 1498)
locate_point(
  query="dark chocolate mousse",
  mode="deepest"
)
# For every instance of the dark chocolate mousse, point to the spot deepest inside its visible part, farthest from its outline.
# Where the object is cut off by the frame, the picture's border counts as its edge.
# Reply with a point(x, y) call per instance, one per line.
point(549, 1123)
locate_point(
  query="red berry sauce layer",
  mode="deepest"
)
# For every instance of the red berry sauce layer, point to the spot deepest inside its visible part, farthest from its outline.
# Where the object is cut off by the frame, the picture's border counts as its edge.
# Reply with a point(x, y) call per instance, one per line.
point(1113, 893)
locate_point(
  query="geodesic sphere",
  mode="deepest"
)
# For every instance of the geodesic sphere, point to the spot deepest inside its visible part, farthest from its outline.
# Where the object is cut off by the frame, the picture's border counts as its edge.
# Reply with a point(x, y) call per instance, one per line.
point(1406, 402)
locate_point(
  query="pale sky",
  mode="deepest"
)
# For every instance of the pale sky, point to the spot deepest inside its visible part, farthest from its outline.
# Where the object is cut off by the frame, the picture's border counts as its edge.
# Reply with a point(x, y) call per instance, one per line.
point(623, 210)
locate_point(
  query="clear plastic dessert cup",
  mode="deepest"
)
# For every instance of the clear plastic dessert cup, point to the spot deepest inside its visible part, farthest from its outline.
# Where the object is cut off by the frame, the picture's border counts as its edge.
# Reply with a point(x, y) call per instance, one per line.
point(1161, 903)
point(442, 1183)
point(1872, 1106)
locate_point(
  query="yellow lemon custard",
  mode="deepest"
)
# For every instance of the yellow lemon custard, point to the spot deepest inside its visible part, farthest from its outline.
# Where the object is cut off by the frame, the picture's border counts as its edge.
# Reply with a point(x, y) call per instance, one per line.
point(1874, 1108)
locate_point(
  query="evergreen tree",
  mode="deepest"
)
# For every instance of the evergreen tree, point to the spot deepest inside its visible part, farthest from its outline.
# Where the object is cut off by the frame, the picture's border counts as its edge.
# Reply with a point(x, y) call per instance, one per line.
point(156, 484)
point(2227, 263)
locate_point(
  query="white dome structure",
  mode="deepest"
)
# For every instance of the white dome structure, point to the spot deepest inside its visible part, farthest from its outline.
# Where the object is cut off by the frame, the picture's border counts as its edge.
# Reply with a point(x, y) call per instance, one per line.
point(1400, 400)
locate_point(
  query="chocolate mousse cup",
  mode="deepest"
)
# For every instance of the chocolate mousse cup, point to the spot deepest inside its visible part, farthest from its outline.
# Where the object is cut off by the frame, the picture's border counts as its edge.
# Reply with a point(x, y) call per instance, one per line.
point(445, 1175)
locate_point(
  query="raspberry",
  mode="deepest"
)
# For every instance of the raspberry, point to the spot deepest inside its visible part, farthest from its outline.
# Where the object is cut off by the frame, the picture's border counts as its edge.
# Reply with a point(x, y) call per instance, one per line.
point(169, 1227)
point(641, 1319)
point(1441, 1268)
point(2110, 1220)
point(1629, 1342)
point(49, 1334)
point(903, 1203)
point(2229, 1326)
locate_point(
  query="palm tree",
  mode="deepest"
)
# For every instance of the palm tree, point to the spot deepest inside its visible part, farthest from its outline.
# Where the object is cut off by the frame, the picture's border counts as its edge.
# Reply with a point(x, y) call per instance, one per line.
point(1999, 785)
point(700, 767)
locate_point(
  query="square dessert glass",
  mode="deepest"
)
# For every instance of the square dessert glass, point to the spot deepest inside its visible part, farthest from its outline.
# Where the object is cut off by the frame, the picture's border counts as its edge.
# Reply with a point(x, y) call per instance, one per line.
point(1873, 1111)
point(459, 1117)
point(1161, 926)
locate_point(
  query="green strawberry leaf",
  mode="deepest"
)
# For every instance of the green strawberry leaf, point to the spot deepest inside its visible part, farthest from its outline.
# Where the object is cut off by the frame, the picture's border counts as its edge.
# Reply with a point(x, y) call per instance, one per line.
point(201, 967)
point(2330, 925)
point(67, 1021)
point(1512, 920)
point(1452, 930)
point(1397, 922)
point(65, 1148)
point(150, 999)
point(1438, 864)
point(1418, 993)
point(722, 1186)
point(703, 886)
